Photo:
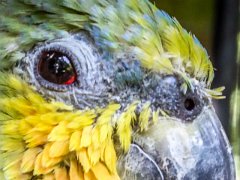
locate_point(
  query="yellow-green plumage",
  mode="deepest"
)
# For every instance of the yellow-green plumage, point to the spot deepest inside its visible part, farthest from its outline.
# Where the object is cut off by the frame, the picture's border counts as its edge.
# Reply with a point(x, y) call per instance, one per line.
point(159, 41)
point(39, 135)
point(47, 139)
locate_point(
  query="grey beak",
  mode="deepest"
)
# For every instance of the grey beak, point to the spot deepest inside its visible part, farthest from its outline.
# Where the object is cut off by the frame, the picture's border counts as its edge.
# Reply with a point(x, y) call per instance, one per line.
point(172, 149)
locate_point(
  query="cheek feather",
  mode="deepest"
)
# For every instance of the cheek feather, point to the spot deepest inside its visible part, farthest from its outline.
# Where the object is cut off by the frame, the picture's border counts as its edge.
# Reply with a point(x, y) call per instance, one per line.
point(49, 139)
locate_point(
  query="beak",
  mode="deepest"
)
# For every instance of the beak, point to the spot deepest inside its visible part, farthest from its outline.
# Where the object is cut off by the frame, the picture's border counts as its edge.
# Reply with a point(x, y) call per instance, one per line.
point(172, 149)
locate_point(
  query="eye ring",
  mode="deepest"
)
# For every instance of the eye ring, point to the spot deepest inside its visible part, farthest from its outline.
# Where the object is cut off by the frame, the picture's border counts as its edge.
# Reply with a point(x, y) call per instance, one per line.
point(68, 57)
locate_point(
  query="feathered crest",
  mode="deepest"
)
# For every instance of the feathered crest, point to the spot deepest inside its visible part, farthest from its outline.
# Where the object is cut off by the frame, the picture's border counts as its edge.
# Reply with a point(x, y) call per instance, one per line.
point(156, 39)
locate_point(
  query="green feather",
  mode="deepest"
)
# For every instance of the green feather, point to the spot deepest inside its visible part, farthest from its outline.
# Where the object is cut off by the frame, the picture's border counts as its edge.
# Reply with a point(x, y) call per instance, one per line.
point(156, 39)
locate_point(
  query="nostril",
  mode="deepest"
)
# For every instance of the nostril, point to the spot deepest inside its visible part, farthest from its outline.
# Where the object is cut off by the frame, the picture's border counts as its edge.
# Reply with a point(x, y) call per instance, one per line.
point(189, 104)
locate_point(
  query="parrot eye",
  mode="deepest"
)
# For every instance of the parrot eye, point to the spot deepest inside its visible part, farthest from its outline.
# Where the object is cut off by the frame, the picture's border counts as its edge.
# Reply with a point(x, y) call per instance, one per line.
point(56, 67)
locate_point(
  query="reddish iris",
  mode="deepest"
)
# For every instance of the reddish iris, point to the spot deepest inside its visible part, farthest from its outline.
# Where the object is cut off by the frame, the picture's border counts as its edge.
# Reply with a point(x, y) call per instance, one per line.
point(71, 80)
point(57, 68)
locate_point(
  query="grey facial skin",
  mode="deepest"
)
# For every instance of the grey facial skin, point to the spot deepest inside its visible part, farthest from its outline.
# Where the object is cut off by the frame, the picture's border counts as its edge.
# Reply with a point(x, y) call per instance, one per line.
point(188, 144)
point(196, 150)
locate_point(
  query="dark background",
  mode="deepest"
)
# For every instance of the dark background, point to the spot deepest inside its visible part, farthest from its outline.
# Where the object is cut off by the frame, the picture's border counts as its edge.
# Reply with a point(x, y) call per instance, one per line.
point(215, 23)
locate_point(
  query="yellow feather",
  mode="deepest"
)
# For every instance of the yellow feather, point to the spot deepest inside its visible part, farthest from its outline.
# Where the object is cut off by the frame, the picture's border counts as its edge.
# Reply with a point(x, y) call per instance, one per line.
point(9, 159)
point(43, 127)
point(16, 84)
point(38, 168)
point(124, 125)
point(107, 114)
point(101, 172)
point(75, 140)
point(83, 159)
point(86, 136)
point(105, 132)
point(95, 138)
point(35, 98)
point(35, 139)
point(28, 159)
point(83, 120)
point(54, 118)
point(49, 177)
point(9, 127)
point(144, 116)
point(13, 173)
point(55, 106)
point(75, 172)
point(60, 132)
point(60, 173)
point(89, 176)
point(110, 157)
point(93, 154)
point(104, 126)
point(102, 150)
point(48, 161)
point(59, 148)
point(11, 144)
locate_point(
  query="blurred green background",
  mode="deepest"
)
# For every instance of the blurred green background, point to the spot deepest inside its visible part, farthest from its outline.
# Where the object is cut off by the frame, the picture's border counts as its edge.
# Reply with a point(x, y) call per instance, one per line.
point(216, 24)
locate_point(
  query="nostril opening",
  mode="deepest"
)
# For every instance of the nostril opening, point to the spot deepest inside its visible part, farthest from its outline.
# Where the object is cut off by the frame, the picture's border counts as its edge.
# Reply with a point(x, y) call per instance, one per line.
point(189, 104)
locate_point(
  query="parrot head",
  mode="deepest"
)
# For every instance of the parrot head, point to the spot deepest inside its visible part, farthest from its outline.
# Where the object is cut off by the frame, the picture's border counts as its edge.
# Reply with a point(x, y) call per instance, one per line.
point(109, 89)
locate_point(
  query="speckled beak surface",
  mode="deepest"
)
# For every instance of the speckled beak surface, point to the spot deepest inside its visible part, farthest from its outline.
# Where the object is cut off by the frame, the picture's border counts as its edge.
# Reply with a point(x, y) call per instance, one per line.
point(172, 149)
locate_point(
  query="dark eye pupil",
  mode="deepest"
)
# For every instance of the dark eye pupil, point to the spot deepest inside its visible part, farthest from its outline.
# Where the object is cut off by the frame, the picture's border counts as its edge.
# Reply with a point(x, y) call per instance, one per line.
point(56, 67)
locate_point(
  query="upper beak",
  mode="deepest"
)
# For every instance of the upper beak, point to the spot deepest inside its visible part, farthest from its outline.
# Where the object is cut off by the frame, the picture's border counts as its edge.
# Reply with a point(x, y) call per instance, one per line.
point(172, 149)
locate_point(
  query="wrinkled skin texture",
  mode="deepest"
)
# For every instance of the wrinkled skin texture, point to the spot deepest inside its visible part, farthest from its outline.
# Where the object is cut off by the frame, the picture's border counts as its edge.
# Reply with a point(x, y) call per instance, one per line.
point(120, 118)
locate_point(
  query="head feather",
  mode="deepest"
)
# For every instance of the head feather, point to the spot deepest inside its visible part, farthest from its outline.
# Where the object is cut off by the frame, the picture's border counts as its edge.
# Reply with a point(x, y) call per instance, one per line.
point(156, 39)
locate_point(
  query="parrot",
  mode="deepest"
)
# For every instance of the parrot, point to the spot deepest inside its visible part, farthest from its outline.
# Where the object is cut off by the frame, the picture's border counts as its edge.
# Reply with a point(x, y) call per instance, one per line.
point(107, 90)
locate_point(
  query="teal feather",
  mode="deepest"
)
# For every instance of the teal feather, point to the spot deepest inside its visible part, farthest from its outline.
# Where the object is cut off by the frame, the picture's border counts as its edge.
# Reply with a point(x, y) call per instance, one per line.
point(158, 41)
